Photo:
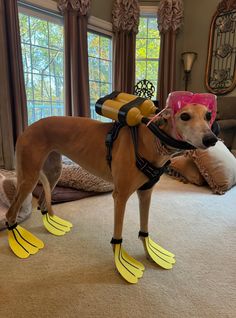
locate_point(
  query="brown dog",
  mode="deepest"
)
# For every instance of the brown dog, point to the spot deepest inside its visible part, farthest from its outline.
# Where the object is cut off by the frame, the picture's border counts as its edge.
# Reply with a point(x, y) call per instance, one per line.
point(82, 140)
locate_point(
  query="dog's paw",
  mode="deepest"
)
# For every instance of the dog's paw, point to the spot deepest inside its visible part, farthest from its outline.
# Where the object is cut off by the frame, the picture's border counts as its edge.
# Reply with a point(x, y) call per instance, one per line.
point(22, 242)
point(56, 225)
point(128, 267)
point(158, 254)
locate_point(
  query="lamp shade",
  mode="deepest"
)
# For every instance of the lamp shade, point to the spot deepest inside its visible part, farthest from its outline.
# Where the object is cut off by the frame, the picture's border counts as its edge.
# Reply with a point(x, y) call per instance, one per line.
point(188, 58)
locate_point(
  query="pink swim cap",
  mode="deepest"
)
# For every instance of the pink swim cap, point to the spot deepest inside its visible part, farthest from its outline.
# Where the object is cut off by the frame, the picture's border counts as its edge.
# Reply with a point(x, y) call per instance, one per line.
point(177, 100)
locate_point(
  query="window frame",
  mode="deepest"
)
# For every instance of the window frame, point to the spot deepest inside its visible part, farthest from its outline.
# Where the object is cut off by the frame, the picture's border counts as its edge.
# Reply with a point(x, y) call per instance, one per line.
point(103, 28)
point(148, 11)
point(29, 8)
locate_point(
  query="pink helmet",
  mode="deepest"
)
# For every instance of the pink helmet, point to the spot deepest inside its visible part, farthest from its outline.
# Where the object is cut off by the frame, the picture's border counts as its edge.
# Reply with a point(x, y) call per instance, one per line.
point(177, 100)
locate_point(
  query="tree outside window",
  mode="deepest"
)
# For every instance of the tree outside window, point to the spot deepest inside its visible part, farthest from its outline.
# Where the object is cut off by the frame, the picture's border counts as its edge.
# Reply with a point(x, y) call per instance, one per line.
point(43, 62)
point(147, 50)
point(100, 69)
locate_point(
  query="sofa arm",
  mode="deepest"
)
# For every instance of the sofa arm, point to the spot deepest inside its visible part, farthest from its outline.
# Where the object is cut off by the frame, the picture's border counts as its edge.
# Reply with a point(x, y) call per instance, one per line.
point(226, 124)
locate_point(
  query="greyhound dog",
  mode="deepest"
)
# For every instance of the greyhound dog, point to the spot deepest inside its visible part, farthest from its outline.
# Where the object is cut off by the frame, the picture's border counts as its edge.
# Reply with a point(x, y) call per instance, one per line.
point(38, 157)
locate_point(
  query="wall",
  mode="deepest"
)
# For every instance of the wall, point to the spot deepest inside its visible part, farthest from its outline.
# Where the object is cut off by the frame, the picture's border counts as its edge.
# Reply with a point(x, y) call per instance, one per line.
point(102, 9)
point(194, 37)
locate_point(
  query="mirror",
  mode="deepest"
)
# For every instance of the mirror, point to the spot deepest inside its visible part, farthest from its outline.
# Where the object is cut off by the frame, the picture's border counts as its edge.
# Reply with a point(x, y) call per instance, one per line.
point(221, 61)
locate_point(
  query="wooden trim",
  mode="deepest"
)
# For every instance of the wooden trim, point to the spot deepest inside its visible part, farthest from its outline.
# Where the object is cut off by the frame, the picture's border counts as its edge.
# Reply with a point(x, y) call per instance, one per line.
point(47, 4)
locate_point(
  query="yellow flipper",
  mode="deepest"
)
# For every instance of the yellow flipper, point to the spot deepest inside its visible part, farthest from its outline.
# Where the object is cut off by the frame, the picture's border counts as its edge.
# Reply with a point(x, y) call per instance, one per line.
point(56, 225)
point(161, 249)
point(23, 243)
point(127, 266)
point(158, 257)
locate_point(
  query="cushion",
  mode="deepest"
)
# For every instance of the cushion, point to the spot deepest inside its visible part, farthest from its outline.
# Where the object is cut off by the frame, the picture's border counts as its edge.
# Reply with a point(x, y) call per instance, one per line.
point(184, 169)
point(74, 176)
point(7, 193)
point(62, 194)
point(217, 165)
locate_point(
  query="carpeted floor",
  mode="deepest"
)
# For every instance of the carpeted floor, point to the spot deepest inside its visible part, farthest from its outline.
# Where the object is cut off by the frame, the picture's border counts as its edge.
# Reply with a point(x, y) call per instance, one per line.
point(74, 275)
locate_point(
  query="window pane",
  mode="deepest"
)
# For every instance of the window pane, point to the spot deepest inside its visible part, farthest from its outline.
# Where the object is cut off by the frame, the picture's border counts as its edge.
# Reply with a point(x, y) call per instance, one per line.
point(141, 48)
point(43, 62)
point(26, 57)
point(93, 69)
point(152, 70)
point(39, 32)
point(142, 31)
point(147, 50)
point(104, 71)
point(105, 48)
point(100, 69)
point(153, 48)
point(141, 68)
point(93, 44)
point(153, 31)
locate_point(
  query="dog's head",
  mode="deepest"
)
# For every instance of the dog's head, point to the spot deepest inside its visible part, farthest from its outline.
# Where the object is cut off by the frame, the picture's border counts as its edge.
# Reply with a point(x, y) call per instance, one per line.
point(192, 116)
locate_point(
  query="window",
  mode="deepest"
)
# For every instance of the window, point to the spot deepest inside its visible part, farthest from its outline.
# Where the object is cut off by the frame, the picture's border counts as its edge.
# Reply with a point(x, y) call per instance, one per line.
point(43, 62)
point(100, 69)
point(147, 50)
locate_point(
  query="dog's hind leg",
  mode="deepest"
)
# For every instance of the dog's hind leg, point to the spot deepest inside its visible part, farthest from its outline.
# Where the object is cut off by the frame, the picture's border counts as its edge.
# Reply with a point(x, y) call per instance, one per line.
point(153, 250)
point(129, 268)
point(22, 242)
point(52, 170)
point(49, 176)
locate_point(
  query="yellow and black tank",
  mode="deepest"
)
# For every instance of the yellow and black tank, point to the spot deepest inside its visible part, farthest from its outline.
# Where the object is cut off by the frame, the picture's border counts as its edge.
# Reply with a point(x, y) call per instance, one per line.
point(125, 108)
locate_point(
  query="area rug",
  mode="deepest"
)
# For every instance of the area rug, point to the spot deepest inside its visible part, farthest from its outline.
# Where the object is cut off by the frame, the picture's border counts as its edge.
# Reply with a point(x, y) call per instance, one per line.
point(74, 275)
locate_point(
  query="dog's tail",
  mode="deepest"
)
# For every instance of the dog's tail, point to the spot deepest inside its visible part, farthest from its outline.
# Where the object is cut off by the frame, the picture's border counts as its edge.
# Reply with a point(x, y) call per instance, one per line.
point(47, 191)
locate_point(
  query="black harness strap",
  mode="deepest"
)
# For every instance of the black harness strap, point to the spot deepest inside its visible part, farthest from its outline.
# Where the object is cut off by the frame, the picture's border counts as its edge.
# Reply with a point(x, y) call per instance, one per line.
point(153, 173)
point(110, 138)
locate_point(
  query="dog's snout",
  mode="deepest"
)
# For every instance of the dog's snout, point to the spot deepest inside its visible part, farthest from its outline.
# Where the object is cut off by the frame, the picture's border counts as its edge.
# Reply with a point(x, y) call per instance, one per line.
point(209, 140)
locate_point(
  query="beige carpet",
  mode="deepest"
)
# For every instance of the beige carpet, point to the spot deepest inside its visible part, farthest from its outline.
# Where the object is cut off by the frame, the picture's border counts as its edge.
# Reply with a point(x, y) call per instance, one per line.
point(74, 275)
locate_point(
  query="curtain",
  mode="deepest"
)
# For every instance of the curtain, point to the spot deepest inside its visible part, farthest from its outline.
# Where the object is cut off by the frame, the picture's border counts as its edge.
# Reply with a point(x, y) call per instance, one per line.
point(170, 16)
point(13, 107)
point(76, 56)
point(125, 20)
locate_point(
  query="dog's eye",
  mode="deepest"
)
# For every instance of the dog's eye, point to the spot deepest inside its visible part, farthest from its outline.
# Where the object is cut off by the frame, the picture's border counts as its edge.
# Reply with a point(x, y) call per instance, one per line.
point(185, 116)
point(208, 116)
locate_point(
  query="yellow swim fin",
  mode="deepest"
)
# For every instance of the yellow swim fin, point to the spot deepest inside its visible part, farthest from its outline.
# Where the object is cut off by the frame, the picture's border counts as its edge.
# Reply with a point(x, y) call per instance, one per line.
point(129, 268)
point(158, 254)
point(23, 243)
point(56, 225)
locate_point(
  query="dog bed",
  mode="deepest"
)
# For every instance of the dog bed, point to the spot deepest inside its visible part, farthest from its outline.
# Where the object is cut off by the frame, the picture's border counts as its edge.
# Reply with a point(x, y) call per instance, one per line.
point(7, 193)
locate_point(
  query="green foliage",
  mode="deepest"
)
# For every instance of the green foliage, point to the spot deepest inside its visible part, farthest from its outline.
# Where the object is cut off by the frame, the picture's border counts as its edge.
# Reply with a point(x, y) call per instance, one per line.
point(147, 50)
point(100, 69)
point(42, 54)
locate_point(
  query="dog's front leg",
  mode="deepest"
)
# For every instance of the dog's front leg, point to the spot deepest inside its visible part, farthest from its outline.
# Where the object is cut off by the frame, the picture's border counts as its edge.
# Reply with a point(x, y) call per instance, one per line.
point(153, 250)
point(129, 268)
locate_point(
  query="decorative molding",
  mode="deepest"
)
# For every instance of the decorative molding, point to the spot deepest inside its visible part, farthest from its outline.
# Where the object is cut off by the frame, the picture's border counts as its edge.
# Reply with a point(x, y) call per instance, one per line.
point(100, 25)
point(148, 10)
point(46, 4)
point(170, 15)
point(81, 6)
point(125, 15)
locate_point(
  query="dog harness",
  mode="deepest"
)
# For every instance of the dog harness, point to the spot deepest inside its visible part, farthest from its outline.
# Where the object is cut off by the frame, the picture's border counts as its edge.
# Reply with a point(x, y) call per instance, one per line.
point(153, 173)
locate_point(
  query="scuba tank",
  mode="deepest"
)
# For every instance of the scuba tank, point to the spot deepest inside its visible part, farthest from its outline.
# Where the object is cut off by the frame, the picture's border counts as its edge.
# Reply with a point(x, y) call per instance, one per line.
point(125, 108)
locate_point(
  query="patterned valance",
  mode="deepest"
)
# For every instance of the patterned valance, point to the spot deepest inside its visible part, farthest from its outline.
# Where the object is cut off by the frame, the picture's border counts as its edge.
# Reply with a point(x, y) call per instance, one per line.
point(81, 6)
point(226, 5)
point(125, 15)
point(170, 15)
